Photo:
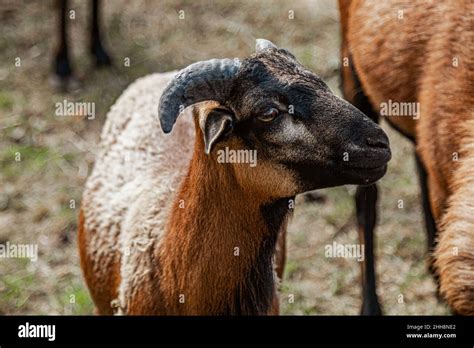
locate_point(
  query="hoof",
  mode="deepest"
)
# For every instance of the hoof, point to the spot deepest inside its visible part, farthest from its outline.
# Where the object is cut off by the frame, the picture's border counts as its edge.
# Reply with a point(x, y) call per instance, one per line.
point(102, 59)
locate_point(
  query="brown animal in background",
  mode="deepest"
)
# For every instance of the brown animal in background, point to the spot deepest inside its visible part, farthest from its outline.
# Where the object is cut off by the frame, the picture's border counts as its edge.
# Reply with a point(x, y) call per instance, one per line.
point(169, 228)
point(420, 52)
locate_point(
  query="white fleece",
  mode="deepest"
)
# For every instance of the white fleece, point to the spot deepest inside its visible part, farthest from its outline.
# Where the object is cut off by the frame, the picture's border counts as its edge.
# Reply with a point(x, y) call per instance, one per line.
point(137, 172)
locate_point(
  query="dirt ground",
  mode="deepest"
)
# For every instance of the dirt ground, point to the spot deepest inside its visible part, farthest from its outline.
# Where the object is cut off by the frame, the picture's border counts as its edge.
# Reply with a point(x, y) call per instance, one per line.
point(40, 191)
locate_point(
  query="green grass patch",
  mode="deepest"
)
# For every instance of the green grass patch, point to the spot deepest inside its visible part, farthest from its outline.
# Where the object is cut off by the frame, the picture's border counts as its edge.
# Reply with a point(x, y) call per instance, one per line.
point(16, 289)
point(6, 102)
point(76, 301)
point(18, 159)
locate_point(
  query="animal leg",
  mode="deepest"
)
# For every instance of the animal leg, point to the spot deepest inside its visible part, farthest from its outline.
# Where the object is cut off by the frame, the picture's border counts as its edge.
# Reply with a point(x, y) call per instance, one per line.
point(428, 215)
point(96, 48)
point(366, 200)
point(62, 66)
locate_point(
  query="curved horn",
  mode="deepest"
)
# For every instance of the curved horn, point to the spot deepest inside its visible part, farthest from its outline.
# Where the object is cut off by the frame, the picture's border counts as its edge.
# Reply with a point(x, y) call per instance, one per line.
point(262, 45)
point(207, 80)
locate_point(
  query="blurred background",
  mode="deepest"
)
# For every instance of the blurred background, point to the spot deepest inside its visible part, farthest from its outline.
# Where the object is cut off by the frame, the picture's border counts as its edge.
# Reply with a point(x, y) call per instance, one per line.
point(40, 194)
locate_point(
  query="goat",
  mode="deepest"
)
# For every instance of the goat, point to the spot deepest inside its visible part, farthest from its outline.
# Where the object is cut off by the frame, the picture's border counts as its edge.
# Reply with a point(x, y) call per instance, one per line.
point(62, 65)
point(171, 230)
point(418, 52)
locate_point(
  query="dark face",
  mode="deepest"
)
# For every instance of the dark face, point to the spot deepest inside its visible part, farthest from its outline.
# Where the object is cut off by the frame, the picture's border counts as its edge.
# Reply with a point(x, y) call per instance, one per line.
point(304, 137)
point(293, 120)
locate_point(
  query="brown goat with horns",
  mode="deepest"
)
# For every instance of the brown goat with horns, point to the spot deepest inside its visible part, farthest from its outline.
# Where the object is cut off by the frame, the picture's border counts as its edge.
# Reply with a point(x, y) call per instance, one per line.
point(166, 228)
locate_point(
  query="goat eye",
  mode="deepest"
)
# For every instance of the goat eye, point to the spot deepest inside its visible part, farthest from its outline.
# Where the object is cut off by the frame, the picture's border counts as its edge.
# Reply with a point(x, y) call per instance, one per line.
point(269, 115)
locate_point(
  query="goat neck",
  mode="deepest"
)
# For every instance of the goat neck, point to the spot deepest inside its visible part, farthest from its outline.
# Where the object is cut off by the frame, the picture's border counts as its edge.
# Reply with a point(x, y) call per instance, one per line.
point(220, 240)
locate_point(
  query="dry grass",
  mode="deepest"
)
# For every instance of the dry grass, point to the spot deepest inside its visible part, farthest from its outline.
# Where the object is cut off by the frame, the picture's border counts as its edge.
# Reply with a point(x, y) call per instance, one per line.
point(40, 194)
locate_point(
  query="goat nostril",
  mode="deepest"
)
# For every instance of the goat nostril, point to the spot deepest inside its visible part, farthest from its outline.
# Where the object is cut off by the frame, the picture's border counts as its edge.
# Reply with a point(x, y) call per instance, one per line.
point(382, 143)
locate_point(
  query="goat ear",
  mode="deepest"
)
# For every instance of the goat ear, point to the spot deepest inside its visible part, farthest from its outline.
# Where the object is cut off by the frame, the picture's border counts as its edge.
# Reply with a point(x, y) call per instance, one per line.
point(215, 125)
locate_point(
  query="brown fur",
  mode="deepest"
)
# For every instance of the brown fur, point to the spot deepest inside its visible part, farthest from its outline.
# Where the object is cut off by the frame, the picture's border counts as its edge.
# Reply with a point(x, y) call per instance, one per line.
point(205, 232)
point(411, 60)
point(196, 257)
point(102, 290)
